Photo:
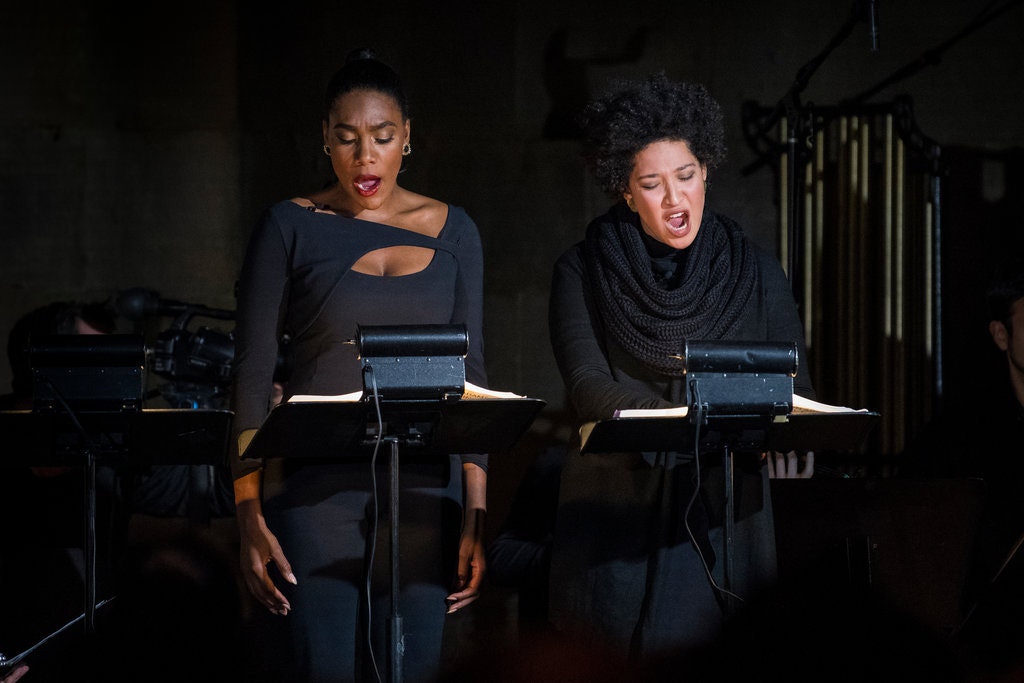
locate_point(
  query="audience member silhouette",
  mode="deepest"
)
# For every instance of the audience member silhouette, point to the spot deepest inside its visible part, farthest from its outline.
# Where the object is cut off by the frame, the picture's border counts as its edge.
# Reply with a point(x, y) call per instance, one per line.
point(981, 436)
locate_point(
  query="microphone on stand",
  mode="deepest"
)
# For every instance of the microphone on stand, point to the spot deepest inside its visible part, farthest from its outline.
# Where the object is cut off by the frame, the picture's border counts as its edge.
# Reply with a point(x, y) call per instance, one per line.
point(138, 302)
point(873, 23)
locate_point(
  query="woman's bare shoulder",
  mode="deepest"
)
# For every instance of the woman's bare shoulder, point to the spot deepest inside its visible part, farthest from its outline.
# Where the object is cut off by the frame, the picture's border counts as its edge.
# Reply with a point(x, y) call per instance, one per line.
point(423, 214)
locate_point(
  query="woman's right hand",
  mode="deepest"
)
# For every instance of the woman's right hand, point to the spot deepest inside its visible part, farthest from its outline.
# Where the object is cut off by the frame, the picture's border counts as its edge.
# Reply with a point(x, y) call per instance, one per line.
point(258, 548)
point(791, 465)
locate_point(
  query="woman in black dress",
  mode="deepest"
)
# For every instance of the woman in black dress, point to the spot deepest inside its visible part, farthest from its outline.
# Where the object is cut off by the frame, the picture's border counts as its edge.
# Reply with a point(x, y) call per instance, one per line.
point(363, 251)
point(636, 560)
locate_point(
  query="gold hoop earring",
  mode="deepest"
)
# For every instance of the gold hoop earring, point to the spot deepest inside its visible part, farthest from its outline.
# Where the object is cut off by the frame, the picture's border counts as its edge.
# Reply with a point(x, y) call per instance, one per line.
point(631, 205)
point(406, 149)
point(327, 150)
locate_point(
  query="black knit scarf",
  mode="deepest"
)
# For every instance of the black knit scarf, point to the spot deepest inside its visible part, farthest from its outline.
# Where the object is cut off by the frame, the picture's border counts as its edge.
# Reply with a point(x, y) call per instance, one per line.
point(646, 318)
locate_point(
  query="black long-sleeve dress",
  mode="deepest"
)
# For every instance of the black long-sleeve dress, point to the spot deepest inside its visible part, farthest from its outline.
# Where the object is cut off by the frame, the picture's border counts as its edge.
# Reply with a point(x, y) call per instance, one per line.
point(624, 572)
point(297, 282)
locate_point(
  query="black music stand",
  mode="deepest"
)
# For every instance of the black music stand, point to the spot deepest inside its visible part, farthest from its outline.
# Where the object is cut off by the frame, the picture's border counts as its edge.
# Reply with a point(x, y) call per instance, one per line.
point(729, 435)
point(414, 378)
point(430, 429)
point(739, 400)
point(42, 438)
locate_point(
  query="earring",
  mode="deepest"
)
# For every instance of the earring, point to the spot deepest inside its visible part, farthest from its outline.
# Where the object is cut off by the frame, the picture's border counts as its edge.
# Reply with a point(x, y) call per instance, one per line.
point(406, 149)
point(631, 205)
point(327, 150)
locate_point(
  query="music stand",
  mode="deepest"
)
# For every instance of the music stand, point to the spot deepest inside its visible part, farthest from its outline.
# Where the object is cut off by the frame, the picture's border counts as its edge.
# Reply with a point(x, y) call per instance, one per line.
point(740, 397)
point(347, 430)
point(800, 432)
point(89, 438)
point(413, 383)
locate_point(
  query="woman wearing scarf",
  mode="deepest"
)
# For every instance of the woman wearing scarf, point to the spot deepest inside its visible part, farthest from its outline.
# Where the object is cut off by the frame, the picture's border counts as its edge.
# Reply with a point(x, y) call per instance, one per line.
point(637, 556)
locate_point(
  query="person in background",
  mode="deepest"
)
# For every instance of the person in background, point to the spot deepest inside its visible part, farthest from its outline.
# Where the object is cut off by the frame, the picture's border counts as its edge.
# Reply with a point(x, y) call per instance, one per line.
point(362, 251)
point(636, 567)
point(57, 318)
point(980, 437)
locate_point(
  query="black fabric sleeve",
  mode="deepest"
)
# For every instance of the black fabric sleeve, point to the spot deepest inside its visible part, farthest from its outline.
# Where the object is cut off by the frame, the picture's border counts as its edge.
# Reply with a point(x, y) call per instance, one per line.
point(261, 292)
point(469, 294)
point(575, 340)
point(469, 304)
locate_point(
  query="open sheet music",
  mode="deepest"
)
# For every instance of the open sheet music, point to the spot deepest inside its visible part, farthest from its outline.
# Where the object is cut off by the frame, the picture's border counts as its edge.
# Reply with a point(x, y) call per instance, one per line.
point(800, 405)
point(811, 425)
point(471, 391)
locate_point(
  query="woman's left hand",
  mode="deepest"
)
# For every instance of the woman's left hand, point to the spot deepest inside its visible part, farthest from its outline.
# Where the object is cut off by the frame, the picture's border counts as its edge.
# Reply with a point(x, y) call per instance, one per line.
point(472, 563)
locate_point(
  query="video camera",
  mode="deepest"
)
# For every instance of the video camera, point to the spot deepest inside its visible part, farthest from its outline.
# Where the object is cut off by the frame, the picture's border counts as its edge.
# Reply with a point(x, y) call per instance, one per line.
point(198, 362)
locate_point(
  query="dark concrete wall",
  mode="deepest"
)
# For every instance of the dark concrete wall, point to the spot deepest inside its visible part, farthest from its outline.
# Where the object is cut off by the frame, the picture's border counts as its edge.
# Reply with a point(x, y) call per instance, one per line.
point(139, 150)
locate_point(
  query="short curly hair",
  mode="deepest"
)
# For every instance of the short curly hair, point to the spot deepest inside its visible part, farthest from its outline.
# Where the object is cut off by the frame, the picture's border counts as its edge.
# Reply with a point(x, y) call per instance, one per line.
point(634, 114)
